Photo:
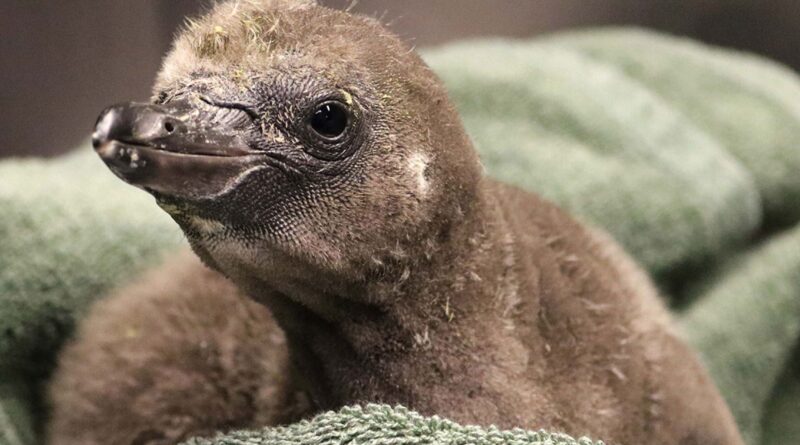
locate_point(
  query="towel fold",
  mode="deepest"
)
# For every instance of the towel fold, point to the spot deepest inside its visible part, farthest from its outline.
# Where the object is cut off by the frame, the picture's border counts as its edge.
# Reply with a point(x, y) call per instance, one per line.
point(381, 424)
point(746, 322)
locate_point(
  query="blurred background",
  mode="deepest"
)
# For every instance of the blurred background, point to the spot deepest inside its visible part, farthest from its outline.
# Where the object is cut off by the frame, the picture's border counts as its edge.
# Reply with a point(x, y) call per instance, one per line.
point(62, 62)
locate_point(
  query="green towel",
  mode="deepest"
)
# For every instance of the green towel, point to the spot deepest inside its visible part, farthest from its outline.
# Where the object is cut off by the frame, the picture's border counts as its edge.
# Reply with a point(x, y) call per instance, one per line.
point(686, 154)
point(782, 416)
point(381, 424)
point(17, 427)
point(750, 104)
point(747, 324)
point(671, 193)
point(69, 231)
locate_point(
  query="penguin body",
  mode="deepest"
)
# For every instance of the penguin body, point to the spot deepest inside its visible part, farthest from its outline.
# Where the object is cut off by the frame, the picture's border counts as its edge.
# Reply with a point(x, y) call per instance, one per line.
point(314, 160)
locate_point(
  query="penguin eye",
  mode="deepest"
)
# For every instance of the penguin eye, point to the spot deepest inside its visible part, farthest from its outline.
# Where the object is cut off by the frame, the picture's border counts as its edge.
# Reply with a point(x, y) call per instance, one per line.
point(330, 120)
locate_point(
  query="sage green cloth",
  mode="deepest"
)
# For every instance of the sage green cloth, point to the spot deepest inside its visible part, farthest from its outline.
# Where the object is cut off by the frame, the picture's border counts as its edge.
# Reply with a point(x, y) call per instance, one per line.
point(747, 103)
point(747, 324)
point(687, 154)
point(603, 145)
point(16, 411)
point(381, 424)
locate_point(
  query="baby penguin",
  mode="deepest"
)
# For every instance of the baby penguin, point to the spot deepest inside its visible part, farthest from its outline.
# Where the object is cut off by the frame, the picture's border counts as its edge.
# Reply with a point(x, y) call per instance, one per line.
point(314, 160)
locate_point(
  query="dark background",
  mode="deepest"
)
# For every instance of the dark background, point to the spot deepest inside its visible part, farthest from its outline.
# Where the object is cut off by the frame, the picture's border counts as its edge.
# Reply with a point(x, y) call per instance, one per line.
point(61, 62)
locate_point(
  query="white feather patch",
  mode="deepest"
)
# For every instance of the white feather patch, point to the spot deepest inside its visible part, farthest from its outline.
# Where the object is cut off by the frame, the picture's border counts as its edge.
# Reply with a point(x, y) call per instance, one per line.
point(417, 164)
point(207, 225)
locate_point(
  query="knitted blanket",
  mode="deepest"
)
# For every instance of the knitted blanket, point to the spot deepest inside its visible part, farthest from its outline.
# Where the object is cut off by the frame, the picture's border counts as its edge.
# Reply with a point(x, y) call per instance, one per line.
point(687, 154)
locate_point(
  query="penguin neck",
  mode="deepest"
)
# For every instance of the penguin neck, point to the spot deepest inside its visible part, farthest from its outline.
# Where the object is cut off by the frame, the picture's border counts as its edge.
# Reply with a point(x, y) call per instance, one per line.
point(358, 346)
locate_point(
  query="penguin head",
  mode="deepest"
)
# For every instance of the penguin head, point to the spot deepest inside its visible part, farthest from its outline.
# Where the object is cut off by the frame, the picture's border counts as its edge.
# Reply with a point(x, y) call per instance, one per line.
point(290, 130)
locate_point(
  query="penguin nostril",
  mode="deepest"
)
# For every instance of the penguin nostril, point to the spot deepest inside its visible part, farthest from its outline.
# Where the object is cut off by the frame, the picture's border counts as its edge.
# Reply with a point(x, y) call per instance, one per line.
point(169, 126)
point(97, 140)
point(106, 126)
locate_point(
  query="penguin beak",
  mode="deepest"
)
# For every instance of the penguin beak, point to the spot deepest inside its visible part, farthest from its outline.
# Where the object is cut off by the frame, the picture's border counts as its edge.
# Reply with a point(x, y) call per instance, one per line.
point(177, 149)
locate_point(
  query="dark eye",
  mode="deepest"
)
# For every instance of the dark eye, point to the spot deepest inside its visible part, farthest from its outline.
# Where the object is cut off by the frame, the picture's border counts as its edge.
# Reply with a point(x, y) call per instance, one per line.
point(330, 119)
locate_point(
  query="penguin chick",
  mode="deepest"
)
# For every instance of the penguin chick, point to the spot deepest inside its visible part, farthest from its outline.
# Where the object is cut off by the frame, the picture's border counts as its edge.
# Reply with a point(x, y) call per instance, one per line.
point(178, 354)
point(314, 159)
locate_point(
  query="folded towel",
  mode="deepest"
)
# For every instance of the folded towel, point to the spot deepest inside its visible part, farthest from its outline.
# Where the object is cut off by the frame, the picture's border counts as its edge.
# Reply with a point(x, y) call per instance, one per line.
point(69, 231)
point(686, 154)
point(746, 321)
point(551, 120)
point(750, 104)
point(781, 418)
point(381, 424)
point(17, 427)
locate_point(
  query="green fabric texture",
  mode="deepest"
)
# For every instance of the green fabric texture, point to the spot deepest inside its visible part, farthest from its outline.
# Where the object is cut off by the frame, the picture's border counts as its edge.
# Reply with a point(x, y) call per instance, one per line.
point(748, 324)
point(68, 231)
point(754, 108)
point(17, 426)
point(541, 114)
point(782, 417)
point(381, 424)
point(687, 154)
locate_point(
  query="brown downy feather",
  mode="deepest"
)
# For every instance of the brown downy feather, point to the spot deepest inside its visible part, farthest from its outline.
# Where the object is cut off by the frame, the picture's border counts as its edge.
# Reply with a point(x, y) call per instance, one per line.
point(179, 353)
point(398, 271)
